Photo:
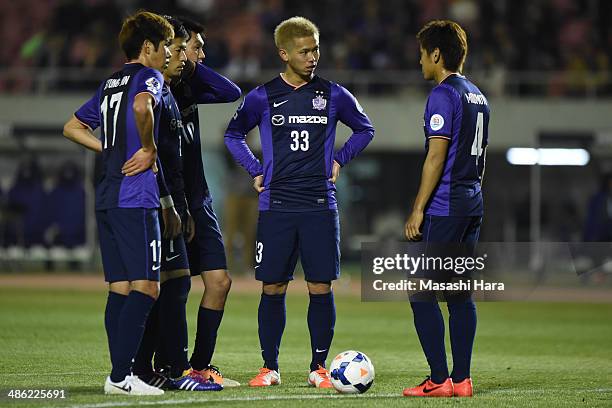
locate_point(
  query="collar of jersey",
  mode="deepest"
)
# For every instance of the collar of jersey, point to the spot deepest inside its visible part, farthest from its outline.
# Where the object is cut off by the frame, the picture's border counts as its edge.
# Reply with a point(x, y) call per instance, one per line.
point(295, 88)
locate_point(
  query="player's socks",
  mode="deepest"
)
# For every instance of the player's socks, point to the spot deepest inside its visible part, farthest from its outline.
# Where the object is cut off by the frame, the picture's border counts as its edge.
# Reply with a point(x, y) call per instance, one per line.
point(321, 321)
point(150, 340)
point(272, 316)
point(131, 327)
point(462, 324)
point(206, 337)
point(429, 325)
point(114, 305)
point(173, 323)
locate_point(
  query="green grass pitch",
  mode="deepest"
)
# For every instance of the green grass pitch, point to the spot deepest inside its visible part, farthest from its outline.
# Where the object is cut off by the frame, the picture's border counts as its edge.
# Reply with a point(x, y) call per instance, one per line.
point(526, 354)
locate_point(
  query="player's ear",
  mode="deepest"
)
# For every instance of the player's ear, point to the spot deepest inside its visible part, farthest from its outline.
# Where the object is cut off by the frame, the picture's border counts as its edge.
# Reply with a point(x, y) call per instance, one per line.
point(436, 55)
point(283, 54)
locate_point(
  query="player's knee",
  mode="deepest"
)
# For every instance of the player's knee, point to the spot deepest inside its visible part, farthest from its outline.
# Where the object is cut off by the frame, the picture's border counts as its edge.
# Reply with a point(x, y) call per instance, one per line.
point(121, 288)
point(275, 288)
point(319, 288)
point(219, 283)
point(149, 288)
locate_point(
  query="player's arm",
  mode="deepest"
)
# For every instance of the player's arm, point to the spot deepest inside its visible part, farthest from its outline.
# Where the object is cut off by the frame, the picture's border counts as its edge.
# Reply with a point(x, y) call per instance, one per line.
point(352, 115)
point(246, 118)
point(483, 163)
point(430, 176)
point(80, 126)
point(209, 86)
point(145, 157)
point(172, 221)
point(80, 133)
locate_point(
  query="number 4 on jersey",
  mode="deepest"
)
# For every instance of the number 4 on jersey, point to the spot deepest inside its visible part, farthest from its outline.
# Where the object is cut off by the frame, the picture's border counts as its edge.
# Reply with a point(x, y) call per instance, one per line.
point(477, 145)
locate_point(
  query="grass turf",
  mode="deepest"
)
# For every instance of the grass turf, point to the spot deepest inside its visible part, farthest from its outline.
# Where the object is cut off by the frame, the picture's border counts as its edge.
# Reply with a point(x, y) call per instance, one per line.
point(526, 354)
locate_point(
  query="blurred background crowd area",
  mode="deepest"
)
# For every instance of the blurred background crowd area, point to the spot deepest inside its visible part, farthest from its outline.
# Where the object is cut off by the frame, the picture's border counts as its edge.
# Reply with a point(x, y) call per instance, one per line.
point(521, 47)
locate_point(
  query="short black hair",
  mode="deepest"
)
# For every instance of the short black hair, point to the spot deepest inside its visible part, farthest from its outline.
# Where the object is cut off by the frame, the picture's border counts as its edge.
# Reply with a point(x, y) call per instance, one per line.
point(178, 26)
point(192, 25)
point(449, 38)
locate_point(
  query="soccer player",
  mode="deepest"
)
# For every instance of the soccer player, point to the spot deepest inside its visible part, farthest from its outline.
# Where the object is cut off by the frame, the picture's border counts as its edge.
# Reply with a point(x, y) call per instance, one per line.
point(127, 107)
point(166, 330)
point(201, 85)
point(448, 207)
point(297, 113)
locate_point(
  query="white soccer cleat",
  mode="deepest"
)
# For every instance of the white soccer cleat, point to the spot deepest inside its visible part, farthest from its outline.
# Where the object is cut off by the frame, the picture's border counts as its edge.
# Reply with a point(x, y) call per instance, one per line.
point(131, 385)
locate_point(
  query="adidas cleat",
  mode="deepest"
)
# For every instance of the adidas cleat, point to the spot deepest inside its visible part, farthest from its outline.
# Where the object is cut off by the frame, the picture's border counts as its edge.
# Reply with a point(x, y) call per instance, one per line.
point(156, 379)
point(212, 373)
point(190, 381)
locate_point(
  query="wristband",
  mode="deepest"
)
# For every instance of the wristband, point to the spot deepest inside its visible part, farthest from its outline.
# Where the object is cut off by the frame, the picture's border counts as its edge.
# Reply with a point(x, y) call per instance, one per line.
point(166, 202)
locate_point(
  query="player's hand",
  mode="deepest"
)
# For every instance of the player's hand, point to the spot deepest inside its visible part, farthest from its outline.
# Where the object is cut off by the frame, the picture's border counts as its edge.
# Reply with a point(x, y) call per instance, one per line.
point(412, 229)
point(258, 184)
point(172, 223)
point(188, 70)
point(335, 172)
point(142, 160)
point(189, 227)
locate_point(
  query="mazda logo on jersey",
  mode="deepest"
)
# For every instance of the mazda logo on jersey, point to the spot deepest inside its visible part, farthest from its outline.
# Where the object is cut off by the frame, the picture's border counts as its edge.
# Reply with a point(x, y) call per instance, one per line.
point(278, 120)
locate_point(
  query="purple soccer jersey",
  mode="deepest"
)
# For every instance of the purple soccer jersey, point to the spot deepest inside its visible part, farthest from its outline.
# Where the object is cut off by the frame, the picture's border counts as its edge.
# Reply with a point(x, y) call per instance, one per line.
point(204, 87)
point(456, 110)
point(111, 109)
point(297, 127)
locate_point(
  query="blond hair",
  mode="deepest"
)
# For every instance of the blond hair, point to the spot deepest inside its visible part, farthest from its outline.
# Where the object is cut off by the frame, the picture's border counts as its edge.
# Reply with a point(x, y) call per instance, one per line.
point(294, 27)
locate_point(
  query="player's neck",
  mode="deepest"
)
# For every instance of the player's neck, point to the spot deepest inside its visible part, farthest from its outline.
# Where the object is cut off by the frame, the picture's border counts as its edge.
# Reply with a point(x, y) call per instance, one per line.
point(442, 74)
point(295, 80)
point(140, 60)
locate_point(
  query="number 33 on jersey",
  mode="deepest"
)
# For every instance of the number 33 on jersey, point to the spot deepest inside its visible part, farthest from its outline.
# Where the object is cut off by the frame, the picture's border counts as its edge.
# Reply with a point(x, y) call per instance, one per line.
point(297, 127)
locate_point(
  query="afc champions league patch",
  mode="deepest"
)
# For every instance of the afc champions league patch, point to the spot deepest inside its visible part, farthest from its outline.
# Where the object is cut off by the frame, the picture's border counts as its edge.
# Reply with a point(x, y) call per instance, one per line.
point(436, 122)
point(153, 85)
point(319, 102)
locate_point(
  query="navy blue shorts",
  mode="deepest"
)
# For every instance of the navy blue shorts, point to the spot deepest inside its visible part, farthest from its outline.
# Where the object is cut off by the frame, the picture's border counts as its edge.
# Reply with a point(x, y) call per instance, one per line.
point(451, 229)
point(130, 243)
point(206, 250)
point(282, 236)
point(174, 251)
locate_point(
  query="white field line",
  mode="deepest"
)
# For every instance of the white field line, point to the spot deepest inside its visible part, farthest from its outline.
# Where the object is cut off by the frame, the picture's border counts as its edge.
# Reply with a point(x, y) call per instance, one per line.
point(111, 404)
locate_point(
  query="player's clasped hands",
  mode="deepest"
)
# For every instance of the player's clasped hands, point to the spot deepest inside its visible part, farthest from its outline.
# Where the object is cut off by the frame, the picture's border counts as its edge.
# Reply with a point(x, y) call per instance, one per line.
point(142, 160)
point(412, 228)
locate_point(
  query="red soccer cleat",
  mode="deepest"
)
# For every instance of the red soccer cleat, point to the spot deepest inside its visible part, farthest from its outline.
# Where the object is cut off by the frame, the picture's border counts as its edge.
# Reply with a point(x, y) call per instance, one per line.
point(265, 378)
point(320, 378)
point(429, 388)
point(463, 388)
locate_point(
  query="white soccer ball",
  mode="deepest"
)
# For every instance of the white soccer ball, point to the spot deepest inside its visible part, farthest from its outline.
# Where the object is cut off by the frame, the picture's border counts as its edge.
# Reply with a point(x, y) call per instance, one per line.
point(351, 372)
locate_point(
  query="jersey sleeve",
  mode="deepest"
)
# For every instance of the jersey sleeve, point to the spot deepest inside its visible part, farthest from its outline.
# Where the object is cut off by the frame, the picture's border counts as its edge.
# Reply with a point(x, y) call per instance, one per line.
point(150, 81)
point(164, 191)
point(352, 115)
point(247, 116)
point(208, 86)
point(439, 112)
point(89, 113)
